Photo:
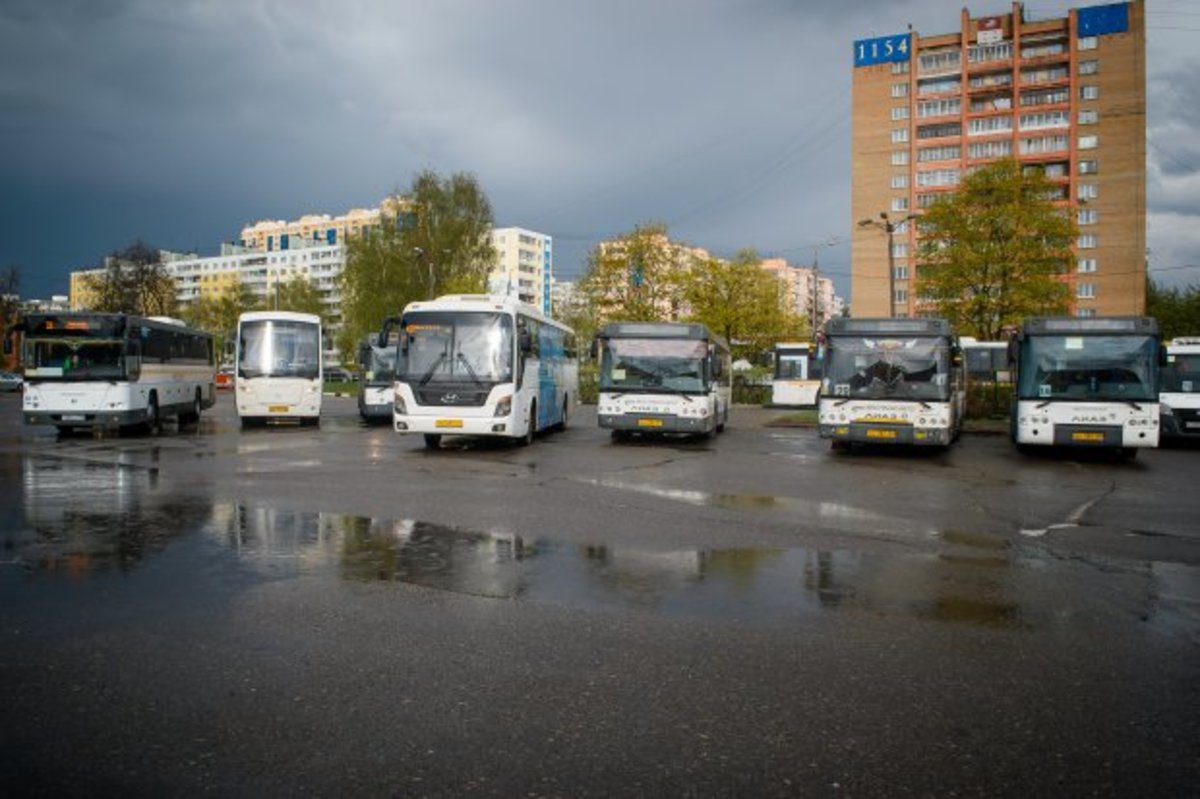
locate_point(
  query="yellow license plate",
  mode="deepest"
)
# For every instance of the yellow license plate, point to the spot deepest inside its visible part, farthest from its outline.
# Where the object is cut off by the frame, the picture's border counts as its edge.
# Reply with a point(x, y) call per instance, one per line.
point(278, 408)
point(881, 433)
point(650, 423)
point(1087, 437)
point(444, 423)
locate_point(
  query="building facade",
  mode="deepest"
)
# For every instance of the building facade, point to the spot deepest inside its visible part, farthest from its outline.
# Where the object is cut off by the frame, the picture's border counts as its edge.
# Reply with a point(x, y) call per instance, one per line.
point(1067, 95)
point(808, 294)
point(524, 267)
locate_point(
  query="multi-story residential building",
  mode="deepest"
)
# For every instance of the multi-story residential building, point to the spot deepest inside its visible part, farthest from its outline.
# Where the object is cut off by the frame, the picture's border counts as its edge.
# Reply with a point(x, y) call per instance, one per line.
point(524, 267)
point(1065, 94)
point(807, 293)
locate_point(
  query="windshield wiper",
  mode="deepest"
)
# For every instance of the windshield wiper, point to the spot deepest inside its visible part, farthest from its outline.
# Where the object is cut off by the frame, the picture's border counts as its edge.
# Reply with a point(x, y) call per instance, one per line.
point(425, 378)
point(466, 363)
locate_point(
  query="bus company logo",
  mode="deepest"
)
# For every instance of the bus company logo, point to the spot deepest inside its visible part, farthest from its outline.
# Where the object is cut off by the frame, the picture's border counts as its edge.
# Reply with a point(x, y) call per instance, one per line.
point(1093, 418)
point(450, 398)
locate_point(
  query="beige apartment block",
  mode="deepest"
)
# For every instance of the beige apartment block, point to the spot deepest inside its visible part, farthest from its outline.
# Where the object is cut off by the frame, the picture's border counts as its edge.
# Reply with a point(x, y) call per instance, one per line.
point(806, 293)
point(1066, 95)
point(316, 229)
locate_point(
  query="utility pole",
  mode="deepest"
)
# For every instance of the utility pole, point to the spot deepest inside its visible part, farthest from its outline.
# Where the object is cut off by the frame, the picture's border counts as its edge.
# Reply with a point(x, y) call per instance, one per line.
point(889, 227)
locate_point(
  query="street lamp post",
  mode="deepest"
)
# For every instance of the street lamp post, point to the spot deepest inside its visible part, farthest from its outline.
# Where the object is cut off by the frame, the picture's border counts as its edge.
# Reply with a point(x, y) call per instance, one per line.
point(423, 256)
point(889, 227)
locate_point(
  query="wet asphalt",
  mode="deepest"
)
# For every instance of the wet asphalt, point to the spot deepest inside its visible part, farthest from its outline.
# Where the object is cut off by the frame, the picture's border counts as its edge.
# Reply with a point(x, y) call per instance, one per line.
point(338, 611)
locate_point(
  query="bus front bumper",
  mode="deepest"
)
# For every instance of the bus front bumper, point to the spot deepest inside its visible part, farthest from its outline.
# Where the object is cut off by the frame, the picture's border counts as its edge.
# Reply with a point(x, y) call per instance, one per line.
point(857, 432)
point(655, 424)
point(86, 419)
point(458, 426)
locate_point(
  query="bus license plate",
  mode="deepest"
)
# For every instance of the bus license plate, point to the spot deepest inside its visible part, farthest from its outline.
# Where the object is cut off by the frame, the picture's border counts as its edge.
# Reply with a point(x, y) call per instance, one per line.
point(650, 423)
point(873, 433)
point(73, 417)
point(277, 409)
point(443, 423)
point(1091, 438)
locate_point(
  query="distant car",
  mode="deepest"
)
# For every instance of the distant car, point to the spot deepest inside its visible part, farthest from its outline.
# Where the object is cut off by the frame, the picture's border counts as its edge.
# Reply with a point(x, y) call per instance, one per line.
point(225, 378)
point(10, 381)
point(338, 375)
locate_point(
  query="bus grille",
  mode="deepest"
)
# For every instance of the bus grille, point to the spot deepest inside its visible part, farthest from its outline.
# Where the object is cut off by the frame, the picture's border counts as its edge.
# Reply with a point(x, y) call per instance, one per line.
point(459, 397)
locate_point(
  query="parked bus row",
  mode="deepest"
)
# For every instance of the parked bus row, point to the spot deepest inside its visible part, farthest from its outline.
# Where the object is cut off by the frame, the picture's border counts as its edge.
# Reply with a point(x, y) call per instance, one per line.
point(490, 366)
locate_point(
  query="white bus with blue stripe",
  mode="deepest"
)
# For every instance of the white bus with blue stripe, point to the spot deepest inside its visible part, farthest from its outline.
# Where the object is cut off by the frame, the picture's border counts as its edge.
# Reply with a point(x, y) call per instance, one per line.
point(478, 365)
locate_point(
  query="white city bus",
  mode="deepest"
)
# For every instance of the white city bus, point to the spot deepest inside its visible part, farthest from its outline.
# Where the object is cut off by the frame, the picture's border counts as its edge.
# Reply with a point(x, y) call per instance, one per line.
point(113, 370)
point(891, 381)
point(1086, 382)
point(1179, 389)
point(797, 379)
point(478, 365)
point(663, 377)
point(376, 379)
point(279, 371)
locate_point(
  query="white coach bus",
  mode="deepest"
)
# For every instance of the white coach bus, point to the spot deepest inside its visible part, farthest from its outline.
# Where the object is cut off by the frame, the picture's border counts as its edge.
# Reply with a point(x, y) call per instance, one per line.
point(663, 377)
point(113, 370)
point(891, 381)
point(279, 372)
point(477, 365)
point(1086, 382)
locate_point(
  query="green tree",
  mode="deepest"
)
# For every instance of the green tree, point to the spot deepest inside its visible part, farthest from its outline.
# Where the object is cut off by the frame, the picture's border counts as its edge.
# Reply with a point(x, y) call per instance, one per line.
point(433, 240)
point(994, 251)
point(738, 300)
point(302, 296)
point(636, 277)
point(10, 304)
point(133, 281)
point(1177, 310)
point(219, 315)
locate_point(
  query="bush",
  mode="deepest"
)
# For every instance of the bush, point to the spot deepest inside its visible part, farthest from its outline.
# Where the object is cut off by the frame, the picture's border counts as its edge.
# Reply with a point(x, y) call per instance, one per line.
point(988, 400)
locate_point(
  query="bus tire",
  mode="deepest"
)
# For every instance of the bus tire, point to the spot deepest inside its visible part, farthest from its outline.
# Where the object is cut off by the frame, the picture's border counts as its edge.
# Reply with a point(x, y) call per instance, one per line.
point(193, 415)
point(562, 420)
point(152, 420)
point(1127, 453)
point(724, 420)
point(433, 441)
point(531, 430)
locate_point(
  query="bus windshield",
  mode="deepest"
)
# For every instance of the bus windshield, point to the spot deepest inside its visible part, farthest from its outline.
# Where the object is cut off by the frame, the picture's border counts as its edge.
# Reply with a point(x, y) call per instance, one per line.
point(379, 365)
point(280, 348)
point(654, 364)
point(874, 368)
point(1182, 374)
point(78, 357)
point(455, 346)
point(1089, 368)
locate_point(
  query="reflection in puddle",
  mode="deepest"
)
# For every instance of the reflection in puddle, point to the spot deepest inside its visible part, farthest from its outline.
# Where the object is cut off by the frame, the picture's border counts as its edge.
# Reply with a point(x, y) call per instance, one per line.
point(747, 585)
point(90, 521)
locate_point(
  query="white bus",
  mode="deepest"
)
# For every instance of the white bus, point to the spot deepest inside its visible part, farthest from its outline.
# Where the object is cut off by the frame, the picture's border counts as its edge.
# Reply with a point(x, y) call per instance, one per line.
point(891, 381)
point(1086, 382)
point(279, 373)
point(113, 370)
point(376, 378)
point(477, 365)
point(663, 377)
point(797, 378)
point(1179, 389)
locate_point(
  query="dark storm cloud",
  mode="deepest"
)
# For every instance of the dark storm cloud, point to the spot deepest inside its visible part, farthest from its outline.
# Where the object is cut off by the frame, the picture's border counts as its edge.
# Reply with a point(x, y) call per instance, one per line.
point(181, 121)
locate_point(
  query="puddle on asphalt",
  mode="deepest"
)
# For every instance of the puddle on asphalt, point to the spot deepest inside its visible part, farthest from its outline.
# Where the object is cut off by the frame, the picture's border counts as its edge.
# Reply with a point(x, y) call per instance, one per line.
point(94, 521)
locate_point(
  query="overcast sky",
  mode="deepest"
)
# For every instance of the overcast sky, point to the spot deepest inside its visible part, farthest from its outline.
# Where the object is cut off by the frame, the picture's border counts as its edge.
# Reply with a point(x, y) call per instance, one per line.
point(180, 121)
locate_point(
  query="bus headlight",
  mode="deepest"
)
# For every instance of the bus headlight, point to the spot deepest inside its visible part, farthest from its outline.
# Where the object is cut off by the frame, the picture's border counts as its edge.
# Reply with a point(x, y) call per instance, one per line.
point(399, 405)
point(504, 406)
point(1165, 410)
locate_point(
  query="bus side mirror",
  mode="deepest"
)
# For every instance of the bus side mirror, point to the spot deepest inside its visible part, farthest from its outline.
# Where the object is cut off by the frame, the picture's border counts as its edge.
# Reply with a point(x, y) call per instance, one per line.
point(1012, 352)
point(1162, 353)
point(525, 342)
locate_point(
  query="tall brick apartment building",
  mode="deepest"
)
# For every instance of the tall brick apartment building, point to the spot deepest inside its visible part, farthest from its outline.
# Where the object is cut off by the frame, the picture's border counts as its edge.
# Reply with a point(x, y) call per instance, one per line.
point(1067, 94)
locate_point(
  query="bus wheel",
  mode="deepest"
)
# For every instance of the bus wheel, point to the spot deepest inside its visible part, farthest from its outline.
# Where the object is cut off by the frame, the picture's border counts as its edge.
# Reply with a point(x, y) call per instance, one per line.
point(838, 445)
point(530, 431)
point(1127, 453)
point(433, 441)
point(152, 413)
point(620, 436)
point(562, 425)
point(724, 421)
point(193, 415)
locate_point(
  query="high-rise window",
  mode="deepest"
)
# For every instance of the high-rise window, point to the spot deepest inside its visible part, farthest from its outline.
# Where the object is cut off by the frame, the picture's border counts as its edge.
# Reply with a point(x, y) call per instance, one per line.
point(899, 181)
point(1087, 216)
point(899, 157)
point(1089, 167)
point(1088, 191)
point(899, 203)
point(1089, 116)
point(899, 112)
point(1089, 92)
point(947, 152)
point(937, 108)
point(1087, 241)
point(1089, 142)
point(1090, 67)
point(899, 90)
point(1087, 42)
point(1086, 266)
point(899, 135)
point(1085, 291)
